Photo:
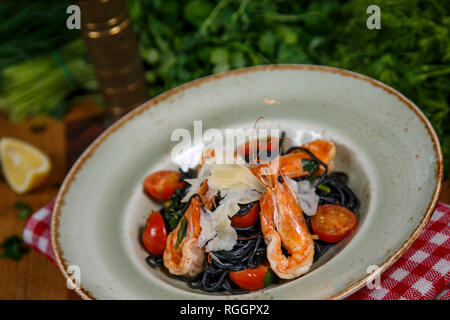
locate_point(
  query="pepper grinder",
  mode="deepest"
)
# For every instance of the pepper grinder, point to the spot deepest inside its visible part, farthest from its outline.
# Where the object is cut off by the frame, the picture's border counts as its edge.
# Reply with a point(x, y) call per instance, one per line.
point(112, 48)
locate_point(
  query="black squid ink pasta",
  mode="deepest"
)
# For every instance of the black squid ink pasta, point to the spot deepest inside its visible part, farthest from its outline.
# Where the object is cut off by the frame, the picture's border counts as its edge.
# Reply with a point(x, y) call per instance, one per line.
point(249, 251)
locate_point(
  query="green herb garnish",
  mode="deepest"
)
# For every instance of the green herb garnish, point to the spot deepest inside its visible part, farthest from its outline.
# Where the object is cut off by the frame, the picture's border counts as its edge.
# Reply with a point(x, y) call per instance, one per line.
point(181, 232)
point(310, 165)
point(269, 277)
point(24, 210)
point(182, 41)
point(324, 188)
point(13, 248)
point(173, 208)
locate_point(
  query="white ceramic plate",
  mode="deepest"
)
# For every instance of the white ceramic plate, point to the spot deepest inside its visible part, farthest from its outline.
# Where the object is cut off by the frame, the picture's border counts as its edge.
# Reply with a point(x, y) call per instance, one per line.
point(384, 143)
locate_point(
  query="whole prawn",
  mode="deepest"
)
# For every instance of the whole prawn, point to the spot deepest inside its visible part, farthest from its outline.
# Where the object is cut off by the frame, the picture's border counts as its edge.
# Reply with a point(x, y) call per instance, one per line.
point(283, 225)
point(291, 164)
point(183, 257)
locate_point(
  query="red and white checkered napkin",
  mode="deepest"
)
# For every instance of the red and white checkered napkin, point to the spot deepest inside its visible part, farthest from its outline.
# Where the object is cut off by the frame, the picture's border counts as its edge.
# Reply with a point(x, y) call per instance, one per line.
point(423, 272)
point(37, 231)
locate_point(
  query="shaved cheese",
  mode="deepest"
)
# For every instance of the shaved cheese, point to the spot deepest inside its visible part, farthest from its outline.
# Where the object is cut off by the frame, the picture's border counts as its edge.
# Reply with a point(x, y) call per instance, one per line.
point(292, 183)
point(211, 193)
point(225, 236)
point(244, 195)
point(217, 232)
point(237, 185)
point(225, 239)
point(307, 197)
point(208, 231)
point(227, 176)
point(196, 183)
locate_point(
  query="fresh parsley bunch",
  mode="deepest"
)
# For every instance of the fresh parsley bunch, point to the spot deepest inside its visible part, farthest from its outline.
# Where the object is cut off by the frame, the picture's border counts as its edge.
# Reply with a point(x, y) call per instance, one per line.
point(184, 40)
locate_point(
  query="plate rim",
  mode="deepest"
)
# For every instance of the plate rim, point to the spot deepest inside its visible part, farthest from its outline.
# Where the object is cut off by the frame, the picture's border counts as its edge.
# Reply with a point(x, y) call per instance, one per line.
point(70, 177)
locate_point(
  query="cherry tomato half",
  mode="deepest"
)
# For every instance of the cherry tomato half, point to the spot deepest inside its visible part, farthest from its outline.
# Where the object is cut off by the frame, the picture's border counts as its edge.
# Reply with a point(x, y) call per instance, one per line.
point(248, 219)
point(333, 223)
point(161, 184)
point(252, 279)
point(155, 234)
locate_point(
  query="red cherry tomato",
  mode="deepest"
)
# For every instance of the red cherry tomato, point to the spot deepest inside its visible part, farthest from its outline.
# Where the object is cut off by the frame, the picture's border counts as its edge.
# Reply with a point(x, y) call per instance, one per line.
point(155, 234)
point(252, 279)
point(333, 223)
point(161, 184)
point(248, 219)
point(255, 146)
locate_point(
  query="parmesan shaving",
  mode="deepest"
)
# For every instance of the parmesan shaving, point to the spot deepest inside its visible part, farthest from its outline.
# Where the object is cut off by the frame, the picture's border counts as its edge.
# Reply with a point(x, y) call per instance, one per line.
point(195, 183)
point(207, 224)
point(227, 176)
point(307, 197)
point(217, 233)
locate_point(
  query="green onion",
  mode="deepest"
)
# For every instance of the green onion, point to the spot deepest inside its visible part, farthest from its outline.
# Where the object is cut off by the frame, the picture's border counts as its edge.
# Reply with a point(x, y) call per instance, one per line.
point(269, 277)
point(40, 85)
point(181, 231)
point(31, 28)
point(324, 188)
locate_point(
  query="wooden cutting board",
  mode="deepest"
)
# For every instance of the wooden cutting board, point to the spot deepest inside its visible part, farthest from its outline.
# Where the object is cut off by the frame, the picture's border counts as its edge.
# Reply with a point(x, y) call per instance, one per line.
point(33, 277)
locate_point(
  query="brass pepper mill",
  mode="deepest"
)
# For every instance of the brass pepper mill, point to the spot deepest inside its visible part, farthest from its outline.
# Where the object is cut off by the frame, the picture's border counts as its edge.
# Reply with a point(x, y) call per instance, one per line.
point(113, 51)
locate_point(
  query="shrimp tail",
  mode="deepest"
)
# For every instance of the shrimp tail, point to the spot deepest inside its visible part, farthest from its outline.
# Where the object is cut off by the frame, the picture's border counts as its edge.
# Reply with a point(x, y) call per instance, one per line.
point(183, 257)
point(284, 226)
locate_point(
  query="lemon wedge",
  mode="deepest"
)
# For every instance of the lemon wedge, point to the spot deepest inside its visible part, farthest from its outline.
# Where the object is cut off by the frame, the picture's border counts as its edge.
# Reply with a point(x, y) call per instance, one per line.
point(24, 166)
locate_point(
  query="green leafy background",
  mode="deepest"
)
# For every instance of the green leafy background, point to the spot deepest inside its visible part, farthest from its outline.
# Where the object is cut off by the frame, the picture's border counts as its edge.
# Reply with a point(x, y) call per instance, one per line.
point(183, 40)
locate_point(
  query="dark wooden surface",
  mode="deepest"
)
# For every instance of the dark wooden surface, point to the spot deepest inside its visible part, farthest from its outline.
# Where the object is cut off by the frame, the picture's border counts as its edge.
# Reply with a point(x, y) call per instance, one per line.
point(34, 276)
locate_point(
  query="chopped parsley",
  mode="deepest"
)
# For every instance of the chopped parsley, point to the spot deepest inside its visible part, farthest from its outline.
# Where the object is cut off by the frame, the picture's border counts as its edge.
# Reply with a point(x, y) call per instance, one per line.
point(24, 210)
point(13, 248)
point(310, 165)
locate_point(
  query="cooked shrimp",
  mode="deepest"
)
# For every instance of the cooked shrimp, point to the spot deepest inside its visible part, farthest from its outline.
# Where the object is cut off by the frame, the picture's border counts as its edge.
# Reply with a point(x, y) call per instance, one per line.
point(283, 225)
point(186, 259)
point(291, 164)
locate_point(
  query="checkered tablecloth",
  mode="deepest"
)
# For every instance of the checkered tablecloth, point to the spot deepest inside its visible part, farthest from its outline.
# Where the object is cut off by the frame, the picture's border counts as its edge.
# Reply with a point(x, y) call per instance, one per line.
point(37, 231)
point(422, 273)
